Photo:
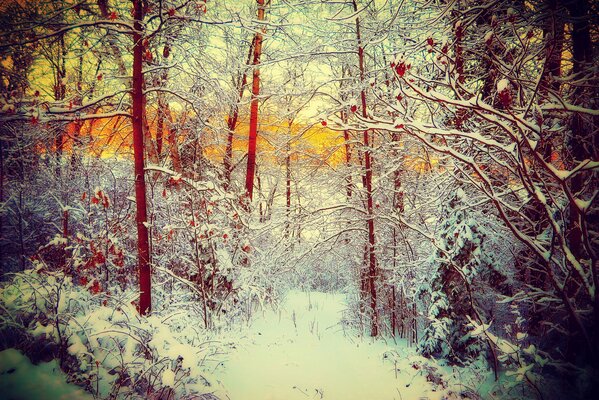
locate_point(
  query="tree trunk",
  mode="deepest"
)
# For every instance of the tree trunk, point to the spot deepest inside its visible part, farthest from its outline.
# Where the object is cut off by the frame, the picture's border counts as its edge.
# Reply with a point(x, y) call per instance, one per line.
point(348, 181)
point(77, 125)
point(160, 115)
point(137, 95)
point(103, 6)
point(251, 161)
point(372, 270)
point(172, 141)
point(288, 180)
point(232, 120)
point(583, 144)
point(59, 95)
point(582, 140)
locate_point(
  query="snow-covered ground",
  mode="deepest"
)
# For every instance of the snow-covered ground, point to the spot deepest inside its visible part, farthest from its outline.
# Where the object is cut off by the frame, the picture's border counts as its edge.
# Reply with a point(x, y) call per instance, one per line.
point(20, 379)
point(302, 351)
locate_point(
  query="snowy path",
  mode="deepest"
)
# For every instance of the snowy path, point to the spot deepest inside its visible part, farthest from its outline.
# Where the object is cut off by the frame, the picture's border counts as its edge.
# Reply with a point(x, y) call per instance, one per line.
point(301, 352)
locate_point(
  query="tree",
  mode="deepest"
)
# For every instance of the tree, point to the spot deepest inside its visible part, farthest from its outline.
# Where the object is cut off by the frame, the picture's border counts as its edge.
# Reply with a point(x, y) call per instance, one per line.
point(495, 148)
point(137, 97)
point(257, 48)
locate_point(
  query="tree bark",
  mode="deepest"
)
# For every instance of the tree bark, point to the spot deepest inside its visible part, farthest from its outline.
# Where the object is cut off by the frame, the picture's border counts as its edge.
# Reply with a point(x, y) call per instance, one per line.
point(582, 141)
point(172, 140)
point(251, 161)
point(232, 120)
point(372, 270)
point(137, 95)
point(288, 178)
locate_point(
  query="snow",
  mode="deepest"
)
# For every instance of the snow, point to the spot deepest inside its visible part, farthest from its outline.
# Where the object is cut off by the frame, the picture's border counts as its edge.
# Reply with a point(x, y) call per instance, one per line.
point(168, 378)
point(20, 379)
point(502, 85)
point(488, 36)
point(304, 350)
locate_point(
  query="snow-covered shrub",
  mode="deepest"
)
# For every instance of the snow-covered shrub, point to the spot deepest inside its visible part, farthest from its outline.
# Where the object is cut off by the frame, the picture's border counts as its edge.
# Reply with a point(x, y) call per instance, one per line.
point(465, 273)
point(102, 342)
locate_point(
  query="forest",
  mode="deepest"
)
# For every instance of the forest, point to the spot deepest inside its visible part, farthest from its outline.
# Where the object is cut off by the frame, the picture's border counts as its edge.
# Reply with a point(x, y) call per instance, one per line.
point(299, 199)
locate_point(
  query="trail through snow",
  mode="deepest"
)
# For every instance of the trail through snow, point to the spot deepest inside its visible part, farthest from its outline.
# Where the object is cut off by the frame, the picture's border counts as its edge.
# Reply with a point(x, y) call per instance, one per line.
point(303, 352)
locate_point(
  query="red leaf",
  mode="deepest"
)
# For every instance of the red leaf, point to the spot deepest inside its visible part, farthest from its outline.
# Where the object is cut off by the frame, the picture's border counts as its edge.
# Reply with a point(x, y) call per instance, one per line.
point(400, 69)
point(171, 12)
point(95, 288)
point(505, 97)
point(99, 258)
point(113, 15)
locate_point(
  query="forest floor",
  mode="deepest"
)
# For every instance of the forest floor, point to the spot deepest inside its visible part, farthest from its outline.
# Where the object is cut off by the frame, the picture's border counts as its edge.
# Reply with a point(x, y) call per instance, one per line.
point(302, 351)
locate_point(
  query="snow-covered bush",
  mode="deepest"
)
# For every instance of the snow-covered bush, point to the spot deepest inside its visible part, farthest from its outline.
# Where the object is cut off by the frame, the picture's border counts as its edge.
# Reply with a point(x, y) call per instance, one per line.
point(466, 274)
point(102, 342)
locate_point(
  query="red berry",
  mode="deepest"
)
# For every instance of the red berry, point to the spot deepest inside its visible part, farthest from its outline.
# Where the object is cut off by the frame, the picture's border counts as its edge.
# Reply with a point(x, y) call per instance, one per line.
point(324, 123)
point(353, 108)
point(171, 12)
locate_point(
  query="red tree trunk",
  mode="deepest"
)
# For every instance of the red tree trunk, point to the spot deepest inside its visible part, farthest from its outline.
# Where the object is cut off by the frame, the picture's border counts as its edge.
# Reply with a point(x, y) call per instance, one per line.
point(251, 163)
point(137, 95)
point(372, 272)
point(232, 120)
